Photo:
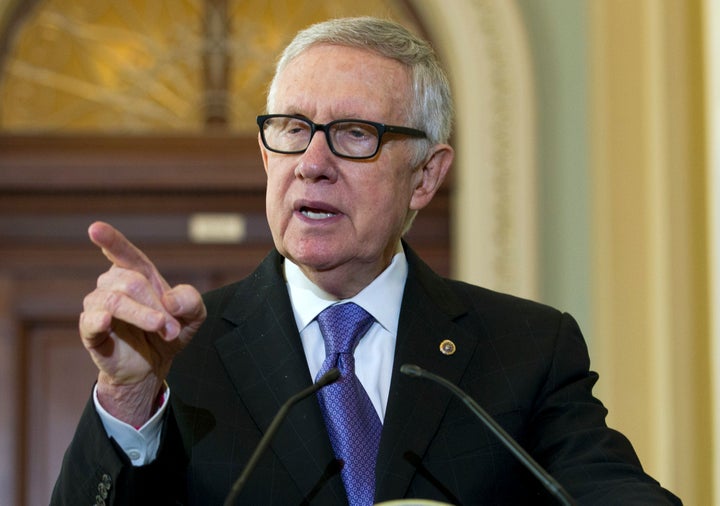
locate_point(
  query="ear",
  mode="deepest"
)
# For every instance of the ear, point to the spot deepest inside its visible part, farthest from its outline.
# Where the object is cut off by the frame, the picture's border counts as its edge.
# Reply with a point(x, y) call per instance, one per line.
point(431, 175)
point(263, 154)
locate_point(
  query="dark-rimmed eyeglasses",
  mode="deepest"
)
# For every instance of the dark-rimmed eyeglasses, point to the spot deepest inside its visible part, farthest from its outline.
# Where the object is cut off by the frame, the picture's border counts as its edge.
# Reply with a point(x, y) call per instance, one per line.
point(349, 138)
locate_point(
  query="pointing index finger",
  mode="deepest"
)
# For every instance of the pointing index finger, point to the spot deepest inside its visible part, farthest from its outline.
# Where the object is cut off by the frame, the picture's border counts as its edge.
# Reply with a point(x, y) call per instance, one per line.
point(123, 253)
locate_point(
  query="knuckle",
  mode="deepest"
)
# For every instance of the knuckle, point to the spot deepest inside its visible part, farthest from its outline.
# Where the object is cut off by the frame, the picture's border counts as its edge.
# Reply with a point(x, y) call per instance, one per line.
point(100, 299)
point(88, 301)
point(134, 285)
point(111, 300)
point(127, 281)
point(91, 324)
point(103, 279)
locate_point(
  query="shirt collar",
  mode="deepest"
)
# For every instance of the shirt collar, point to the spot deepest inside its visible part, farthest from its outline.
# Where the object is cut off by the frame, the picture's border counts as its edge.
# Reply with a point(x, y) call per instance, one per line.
point(382, 298)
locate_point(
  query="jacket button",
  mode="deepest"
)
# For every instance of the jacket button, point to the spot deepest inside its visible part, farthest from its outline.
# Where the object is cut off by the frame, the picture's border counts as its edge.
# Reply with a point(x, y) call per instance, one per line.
point(102, 490)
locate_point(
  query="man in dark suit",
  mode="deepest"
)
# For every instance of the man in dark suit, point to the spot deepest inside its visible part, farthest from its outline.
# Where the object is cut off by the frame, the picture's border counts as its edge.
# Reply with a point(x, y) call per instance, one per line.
point(356, 144)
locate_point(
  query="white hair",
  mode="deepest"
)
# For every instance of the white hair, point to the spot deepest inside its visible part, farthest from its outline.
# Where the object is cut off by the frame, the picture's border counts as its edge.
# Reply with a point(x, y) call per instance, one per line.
point(431, 109)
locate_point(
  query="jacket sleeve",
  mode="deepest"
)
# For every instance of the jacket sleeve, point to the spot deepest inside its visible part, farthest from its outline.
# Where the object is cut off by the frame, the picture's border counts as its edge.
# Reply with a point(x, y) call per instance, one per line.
point(96, 471)
point(596, 464)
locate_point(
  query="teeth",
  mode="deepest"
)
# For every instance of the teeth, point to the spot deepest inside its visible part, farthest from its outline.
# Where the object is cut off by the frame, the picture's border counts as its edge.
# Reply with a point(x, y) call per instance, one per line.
point(314, 215)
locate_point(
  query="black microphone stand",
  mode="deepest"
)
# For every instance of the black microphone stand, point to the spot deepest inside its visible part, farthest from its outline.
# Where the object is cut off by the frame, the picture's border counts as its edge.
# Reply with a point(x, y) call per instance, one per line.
point(329, 377)
point(550, 483)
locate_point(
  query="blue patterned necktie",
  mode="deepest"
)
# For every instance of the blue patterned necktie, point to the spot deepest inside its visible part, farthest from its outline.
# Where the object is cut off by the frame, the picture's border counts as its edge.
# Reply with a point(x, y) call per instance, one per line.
point(352, 422)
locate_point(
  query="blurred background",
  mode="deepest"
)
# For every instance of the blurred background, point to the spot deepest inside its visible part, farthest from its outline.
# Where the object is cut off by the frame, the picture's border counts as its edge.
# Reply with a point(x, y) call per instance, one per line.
point(586, 177)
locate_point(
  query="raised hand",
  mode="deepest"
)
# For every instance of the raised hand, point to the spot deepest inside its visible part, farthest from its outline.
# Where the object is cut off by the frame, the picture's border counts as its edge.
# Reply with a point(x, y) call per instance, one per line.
point(133, 324)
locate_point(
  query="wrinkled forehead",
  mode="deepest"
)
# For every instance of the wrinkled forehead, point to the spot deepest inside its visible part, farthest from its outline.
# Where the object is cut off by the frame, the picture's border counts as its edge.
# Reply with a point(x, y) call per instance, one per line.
point(341, 74)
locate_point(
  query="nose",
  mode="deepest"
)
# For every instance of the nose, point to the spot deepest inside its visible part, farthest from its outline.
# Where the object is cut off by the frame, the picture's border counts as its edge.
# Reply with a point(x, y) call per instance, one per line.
point(317, 162)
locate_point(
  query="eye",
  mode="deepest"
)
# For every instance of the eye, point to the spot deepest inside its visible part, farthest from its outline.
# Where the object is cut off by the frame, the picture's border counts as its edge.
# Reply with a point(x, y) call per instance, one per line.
point(295, 126)
point(355, 132)
point(358, 133)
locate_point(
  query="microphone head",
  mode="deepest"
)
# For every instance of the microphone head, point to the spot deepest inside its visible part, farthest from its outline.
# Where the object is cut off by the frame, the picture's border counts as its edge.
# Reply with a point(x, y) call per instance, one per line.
point(412, 370)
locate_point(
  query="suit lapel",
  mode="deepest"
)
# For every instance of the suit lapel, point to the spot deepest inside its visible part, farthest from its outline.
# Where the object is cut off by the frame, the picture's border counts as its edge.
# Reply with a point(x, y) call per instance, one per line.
point(266, 363)
point(413, 412)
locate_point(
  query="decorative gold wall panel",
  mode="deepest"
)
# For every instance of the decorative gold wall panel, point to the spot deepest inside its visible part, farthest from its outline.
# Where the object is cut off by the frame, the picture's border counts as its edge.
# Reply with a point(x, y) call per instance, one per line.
point(153, 66)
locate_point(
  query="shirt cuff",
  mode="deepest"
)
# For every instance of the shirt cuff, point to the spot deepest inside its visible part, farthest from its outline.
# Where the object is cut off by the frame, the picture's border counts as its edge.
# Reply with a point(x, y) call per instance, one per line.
point(140, 445)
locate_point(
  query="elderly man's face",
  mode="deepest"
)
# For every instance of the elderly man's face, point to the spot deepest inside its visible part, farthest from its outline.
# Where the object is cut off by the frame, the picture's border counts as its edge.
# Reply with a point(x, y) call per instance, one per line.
point(340, 219)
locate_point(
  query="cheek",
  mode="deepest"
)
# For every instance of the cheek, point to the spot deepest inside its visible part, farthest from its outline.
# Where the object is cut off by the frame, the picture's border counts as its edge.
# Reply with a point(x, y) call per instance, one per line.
point(274, 193)
point(387, 203)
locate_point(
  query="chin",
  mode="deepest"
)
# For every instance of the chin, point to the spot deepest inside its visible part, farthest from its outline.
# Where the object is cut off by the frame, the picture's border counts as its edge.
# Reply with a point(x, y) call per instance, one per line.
point(313, 255)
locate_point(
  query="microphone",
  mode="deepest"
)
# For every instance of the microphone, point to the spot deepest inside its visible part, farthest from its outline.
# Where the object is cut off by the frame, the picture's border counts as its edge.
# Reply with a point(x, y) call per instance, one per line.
point(329, 377)
point(550, 483)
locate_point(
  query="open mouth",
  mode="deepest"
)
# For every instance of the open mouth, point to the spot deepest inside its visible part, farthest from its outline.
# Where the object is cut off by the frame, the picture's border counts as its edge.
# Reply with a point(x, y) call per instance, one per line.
point(316, 214)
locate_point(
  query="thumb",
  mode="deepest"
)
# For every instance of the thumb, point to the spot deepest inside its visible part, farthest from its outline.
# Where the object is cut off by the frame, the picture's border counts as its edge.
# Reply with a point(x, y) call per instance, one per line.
point(185, 303)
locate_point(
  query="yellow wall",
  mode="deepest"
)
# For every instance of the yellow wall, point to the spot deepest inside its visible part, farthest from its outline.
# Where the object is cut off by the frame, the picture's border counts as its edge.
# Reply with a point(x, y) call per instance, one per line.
point(650, 264)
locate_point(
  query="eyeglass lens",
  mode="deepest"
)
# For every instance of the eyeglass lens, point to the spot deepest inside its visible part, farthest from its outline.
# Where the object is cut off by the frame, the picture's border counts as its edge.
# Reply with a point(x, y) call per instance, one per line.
point(348, 138)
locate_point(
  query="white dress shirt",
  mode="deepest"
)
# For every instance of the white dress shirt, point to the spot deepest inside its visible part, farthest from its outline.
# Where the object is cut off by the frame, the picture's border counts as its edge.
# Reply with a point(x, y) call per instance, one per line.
point(373, 355)
point(375, 352)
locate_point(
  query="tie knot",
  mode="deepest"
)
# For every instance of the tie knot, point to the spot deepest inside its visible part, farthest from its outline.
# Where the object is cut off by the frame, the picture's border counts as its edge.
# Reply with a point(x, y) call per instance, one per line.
point(342, 325)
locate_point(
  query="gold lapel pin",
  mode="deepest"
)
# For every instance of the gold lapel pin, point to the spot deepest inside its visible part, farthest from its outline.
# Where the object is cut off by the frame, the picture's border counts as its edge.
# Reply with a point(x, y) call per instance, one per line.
point(447, 347)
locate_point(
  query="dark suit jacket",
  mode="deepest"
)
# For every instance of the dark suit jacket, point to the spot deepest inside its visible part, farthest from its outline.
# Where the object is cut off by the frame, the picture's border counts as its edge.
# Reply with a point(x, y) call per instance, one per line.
point(525, 363)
